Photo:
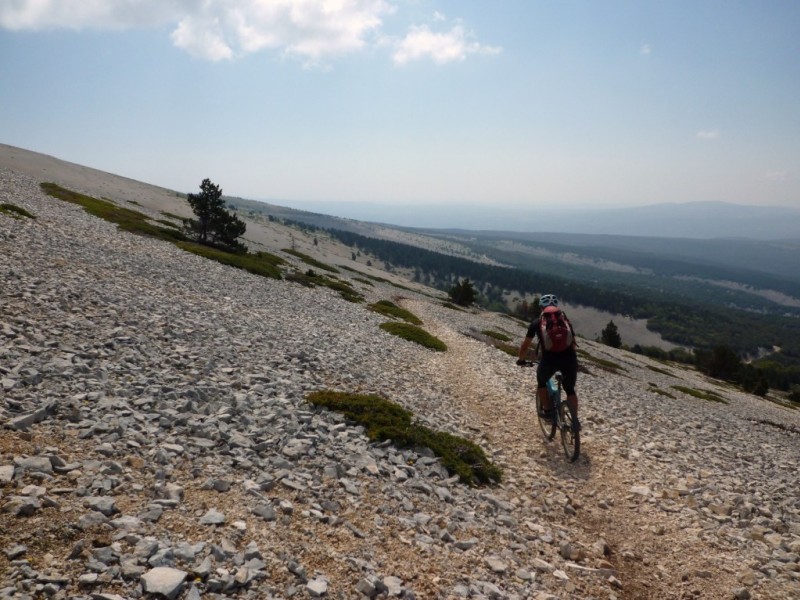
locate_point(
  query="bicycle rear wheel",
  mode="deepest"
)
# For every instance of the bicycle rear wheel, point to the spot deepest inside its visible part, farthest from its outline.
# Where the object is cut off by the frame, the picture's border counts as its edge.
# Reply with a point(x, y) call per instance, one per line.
point(570, 437)
point(548, 425)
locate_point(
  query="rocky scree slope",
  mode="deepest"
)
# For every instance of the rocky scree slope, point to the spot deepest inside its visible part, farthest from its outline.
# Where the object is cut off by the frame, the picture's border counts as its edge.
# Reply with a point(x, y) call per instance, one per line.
point(157, 443)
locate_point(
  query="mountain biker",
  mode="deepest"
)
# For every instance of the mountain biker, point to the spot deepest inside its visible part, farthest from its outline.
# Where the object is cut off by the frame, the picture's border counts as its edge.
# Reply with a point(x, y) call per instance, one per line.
point(565, 361)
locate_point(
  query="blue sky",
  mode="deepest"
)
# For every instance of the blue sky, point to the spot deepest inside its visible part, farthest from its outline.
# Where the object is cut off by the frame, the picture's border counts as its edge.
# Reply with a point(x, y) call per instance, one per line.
point(513, 103)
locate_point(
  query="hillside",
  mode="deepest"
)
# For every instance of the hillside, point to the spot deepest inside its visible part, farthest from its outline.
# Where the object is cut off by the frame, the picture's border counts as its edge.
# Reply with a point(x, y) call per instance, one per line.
point(157, 438)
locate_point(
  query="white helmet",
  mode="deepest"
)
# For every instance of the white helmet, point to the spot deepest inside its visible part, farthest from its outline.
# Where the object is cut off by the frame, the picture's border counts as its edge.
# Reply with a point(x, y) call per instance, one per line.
point(548, 300)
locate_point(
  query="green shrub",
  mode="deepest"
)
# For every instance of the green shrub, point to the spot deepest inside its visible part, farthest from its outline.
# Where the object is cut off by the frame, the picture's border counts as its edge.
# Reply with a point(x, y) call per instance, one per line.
point(661, 371)
point(452, 306)
point(384, 420)
point(412, 333)
point(702, 394)
point(601, 362)
point(496, 335)
point(15, 211)
point(125, 218)
point(311, 261)
point(312, 279)
point(172, 216)
point(508, 349)
point(260, 263)
point(390, 309)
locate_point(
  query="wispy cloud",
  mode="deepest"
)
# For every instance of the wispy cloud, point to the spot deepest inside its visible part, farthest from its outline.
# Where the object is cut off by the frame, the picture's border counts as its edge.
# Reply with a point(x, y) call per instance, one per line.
point(645, 49)
point(421, 43)
point(777, 175)
point(311, 30)
point(708, 134)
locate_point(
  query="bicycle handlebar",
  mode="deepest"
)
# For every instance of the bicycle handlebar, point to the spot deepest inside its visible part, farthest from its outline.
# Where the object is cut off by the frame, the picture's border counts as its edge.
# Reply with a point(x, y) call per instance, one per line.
point(530, 363)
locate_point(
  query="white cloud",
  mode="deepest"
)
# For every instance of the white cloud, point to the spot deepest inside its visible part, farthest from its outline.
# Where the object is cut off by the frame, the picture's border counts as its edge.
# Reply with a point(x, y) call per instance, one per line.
point(80, 14)
point(708, 134)
point(645, 49)
point(777, 175)
point(311, 30)
point(218, 29)
point(421, 42)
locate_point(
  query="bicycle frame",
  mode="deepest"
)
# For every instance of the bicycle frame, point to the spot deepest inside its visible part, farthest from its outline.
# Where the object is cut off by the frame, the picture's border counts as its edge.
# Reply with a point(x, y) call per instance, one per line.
point(562, 420)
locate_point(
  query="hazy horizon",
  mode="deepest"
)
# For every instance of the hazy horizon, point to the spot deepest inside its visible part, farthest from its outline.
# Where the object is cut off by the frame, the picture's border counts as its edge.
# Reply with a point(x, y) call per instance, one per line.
point(692, 220)
point(520, 103)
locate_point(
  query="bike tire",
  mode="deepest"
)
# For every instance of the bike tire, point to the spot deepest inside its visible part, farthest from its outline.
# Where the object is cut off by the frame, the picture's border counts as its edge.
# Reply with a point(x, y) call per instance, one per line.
point(548, 426)
point(570, 439)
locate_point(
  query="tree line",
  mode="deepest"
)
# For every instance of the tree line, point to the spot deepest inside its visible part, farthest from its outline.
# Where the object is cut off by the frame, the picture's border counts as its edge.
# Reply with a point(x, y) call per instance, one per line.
point(700, 326)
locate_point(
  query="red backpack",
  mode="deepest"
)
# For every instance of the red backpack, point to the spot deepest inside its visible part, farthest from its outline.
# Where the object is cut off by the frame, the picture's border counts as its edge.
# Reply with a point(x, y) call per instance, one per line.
point(555, 330)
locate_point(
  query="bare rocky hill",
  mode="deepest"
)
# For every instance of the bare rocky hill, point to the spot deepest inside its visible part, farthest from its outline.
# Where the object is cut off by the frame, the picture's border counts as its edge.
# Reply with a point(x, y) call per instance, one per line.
point(157, 442)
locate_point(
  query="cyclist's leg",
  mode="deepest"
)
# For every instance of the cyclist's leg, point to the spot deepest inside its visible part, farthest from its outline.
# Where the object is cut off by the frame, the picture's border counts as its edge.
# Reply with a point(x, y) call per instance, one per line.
point(544, 372)
point(569, 372)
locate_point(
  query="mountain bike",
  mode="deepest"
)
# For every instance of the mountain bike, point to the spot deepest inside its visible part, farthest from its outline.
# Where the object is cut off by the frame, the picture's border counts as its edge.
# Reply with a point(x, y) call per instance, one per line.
point(562, 420)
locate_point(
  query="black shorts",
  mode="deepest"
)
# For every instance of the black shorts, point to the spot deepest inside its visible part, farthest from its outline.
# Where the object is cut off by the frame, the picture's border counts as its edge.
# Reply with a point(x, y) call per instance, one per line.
point(566, 362)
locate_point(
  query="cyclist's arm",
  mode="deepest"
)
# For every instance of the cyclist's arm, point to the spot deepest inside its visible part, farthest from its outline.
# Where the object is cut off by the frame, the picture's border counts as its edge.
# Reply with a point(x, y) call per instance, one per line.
point(523, 349)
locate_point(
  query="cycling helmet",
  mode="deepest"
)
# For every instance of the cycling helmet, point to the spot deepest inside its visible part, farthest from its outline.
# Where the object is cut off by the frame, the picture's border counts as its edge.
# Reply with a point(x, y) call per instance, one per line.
point(548, 300)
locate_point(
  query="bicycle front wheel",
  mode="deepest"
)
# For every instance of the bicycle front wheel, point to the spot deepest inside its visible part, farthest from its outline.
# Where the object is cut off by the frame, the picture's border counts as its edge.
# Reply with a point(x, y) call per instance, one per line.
point(570, 436)
point(548, 426)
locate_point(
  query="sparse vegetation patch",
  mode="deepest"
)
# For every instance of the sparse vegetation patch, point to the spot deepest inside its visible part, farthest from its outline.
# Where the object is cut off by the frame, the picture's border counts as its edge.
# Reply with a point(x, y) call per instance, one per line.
point(660, 392)
point(601, 362)
point(390, 309)
point(412, 333)
point(125, 218)
point(260, 263)
point(311, 261)
point(384, 420)
point(496, 335)
point(313, 279)
point(702, 394)
point(452, 306)
point(15, 211)
point(658, 370)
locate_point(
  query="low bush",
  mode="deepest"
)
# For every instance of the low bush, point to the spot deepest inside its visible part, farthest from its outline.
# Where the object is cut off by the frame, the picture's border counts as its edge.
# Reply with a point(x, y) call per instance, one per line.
point(15, 211)
point(384, 420)
point(260, 263)
point(601, 362)
point(496, 335)
point(452, 306)
point(126, 219)
point(311, 261)
point(313, 279)
point(661, 371)
point(390, 309)
point(702, 394)
point(412, 333)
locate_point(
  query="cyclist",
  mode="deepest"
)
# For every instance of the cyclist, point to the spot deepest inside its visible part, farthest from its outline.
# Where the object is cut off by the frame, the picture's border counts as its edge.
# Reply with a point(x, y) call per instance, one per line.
point(565, 361)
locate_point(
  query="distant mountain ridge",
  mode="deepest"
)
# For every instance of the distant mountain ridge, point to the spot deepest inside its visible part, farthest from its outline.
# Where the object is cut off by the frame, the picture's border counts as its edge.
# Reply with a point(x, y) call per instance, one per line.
point(697, 220)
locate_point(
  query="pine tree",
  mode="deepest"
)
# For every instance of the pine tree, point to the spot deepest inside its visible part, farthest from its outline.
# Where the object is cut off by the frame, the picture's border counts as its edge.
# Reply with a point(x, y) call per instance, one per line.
point(610, 336)
point(214, 225)
point(462, 293)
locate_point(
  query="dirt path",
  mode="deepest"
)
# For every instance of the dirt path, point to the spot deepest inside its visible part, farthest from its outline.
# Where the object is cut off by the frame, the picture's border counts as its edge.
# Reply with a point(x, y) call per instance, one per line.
point(651, 552)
